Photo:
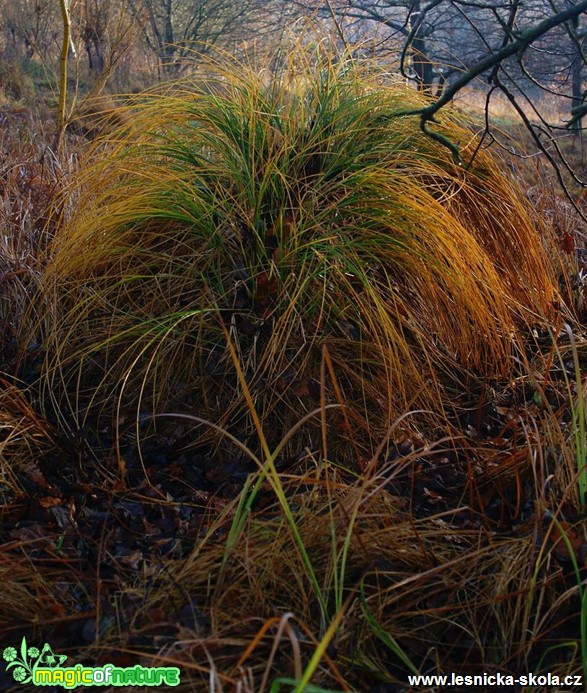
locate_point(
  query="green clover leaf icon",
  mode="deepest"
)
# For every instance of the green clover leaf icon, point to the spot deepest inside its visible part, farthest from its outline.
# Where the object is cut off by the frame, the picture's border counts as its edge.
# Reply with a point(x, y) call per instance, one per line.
point(49, 659)
point(9, 654)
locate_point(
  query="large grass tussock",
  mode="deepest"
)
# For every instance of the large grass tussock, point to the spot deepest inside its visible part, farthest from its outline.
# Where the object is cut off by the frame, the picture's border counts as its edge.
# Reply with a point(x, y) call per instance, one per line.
point(302, 216)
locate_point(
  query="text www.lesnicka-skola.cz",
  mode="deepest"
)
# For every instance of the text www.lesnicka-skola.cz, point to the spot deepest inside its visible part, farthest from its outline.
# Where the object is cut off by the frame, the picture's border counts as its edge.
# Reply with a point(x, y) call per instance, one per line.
point(497, 680)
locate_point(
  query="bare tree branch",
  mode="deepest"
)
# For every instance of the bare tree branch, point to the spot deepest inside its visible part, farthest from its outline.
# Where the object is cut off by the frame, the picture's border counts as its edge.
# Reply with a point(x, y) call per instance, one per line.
point(517, 46)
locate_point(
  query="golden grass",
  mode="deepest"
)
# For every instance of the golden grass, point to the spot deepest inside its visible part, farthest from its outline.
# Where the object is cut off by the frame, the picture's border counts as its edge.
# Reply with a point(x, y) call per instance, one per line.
point(252, 252)
point(308, 219)
point(24, 436)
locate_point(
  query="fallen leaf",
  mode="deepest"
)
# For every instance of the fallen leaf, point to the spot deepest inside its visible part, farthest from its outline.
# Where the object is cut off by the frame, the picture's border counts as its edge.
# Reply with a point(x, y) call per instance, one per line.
point(560, 547)
point(567, 243)
point(50, 501)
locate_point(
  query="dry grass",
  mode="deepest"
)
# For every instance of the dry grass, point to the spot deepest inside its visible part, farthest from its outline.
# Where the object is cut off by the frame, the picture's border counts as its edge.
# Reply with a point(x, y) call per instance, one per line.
point(339, 248)
point(255, 253)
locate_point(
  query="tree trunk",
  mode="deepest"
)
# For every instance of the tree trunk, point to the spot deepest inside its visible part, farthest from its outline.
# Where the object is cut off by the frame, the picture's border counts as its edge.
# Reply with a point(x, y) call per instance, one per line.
point(65, 47)
point(576, 79)
point(423, 68)
point(168, 55)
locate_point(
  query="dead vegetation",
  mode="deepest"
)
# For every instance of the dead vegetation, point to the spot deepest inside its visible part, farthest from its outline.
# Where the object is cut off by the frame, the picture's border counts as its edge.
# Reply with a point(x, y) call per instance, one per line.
point(392, 477)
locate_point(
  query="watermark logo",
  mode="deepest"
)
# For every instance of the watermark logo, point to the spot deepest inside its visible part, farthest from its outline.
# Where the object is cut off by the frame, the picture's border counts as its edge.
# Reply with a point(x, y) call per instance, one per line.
point(45, 668)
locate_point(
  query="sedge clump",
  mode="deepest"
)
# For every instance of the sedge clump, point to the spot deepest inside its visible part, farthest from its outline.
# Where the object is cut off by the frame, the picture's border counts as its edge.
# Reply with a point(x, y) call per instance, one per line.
point(342, 252)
